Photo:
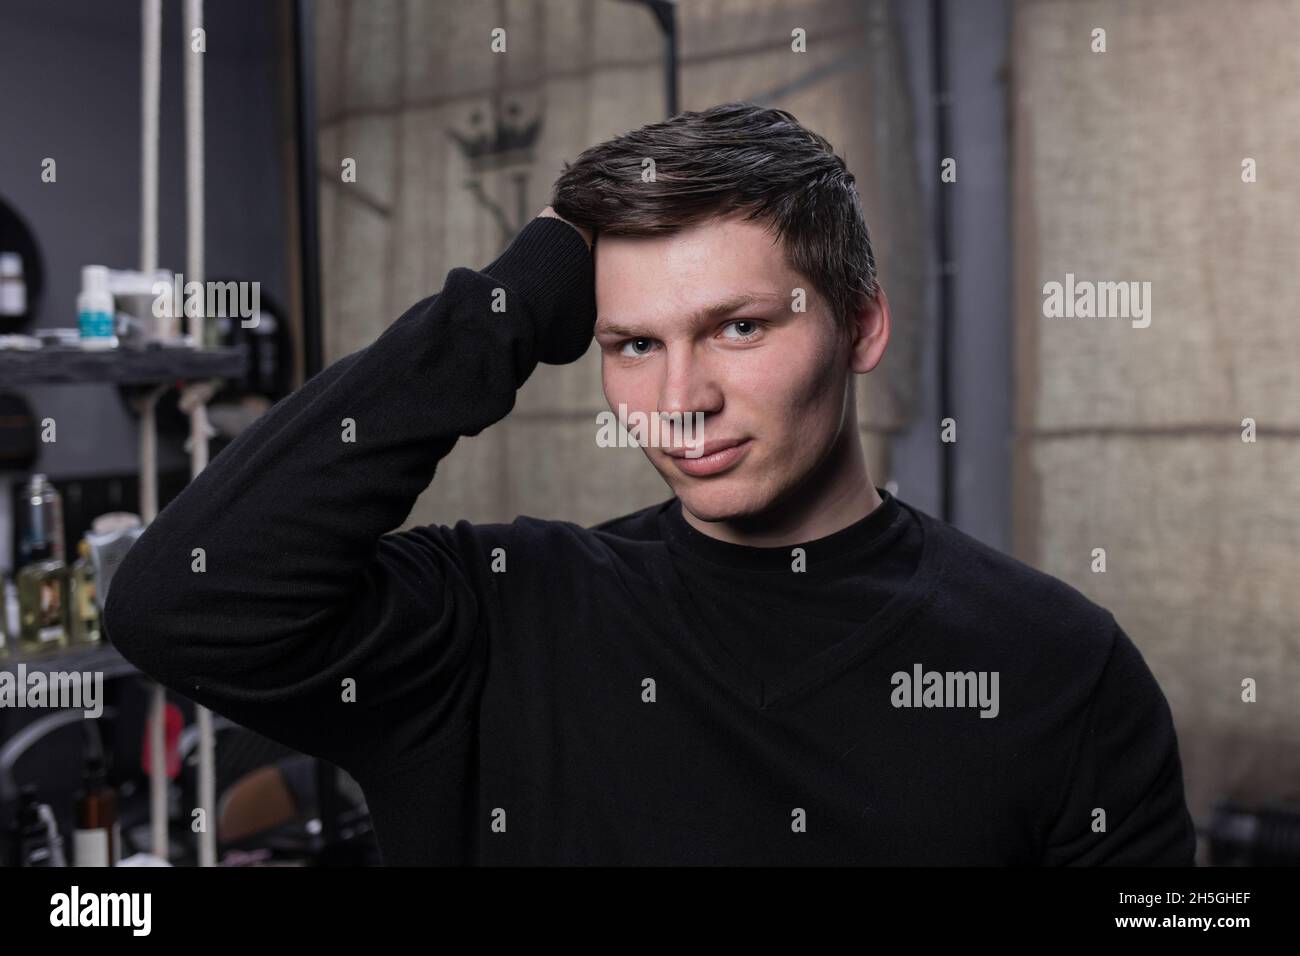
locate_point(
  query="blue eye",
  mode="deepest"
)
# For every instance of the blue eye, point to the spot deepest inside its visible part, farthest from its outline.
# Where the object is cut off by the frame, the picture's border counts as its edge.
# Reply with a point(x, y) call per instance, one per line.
point(751, 329)
point(744, 330)
point(636, 352)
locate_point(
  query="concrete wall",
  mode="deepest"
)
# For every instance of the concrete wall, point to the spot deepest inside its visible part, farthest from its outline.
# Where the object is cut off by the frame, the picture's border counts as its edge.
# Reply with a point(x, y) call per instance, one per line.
point(396, 77)
point(1123, 165)
point(1128, 166)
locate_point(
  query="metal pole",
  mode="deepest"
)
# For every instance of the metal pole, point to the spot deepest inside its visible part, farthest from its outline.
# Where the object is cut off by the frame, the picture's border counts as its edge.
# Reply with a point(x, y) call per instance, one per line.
point(665, 14)
point(196, 397)
point(304, 63)
point(158, 701)
point(151, 79)
point(943, 246)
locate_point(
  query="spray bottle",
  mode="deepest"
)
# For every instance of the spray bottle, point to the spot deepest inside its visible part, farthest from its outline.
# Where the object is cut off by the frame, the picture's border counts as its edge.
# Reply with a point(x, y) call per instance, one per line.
point(96, 310)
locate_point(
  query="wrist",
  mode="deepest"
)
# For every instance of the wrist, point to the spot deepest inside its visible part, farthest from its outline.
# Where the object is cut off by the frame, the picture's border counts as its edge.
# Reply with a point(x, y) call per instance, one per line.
point(549, 269)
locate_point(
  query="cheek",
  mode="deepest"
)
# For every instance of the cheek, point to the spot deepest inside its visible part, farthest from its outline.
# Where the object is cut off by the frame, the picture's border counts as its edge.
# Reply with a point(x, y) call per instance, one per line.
point(626, 386)
point(608, 384)
point(612, 383)
point(787, 388)
point(800, 411)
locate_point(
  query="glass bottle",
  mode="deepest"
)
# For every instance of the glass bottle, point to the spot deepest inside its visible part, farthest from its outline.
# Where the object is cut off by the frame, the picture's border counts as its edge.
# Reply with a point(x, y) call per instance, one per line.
point(83, 615)
point(42, 603)
point(42, 520)
point(97, 839)
point(6, 639)
point(35, 839)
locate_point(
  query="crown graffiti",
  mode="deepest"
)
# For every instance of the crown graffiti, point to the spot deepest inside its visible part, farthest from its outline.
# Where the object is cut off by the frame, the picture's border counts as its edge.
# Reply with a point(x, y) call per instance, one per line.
point(509, 140)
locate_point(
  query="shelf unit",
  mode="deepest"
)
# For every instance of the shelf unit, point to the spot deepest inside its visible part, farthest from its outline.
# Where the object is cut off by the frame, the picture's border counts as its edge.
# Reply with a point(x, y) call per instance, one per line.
point(159, 367)
point(101, 657)
point(64, 365)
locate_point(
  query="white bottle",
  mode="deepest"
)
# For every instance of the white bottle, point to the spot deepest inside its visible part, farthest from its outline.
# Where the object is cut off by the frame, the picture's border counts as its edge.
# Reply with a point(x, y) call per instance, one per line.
point(13, 287)
point(95, 309)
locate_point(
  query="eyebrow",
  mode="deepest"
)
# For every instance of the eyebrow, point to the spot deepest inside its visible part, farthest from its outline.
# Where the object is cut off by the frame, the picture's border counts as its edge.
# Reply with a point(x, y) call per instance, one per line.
point(716, 311)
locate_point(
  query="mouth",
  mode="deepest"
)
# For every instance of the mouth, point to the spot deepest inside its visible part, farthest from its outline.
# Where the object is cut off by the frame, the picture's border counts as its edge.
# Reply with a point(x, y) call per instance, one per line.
point(719, 456)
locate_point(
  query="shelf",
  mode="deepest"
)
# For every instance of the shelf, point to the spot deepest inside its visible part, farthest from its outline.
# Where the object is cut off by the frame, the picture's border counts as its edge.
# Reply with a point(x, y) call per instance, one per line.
point(79, 657)
point(122, 366)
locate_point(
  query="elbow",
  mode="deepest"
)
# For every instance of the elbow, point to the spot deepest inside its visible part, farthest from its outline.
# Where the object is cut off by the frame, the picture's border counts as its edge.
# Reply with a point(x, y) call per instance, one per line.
point(133, 613)
point(133, 624)
point(113, 618)
point(120, 624)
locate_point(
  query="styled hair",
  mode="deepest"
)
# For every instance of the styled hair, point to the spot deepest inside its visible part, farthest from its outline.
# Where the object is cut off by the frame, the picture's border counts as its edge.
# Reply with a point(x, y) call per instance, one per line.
point(734, 158)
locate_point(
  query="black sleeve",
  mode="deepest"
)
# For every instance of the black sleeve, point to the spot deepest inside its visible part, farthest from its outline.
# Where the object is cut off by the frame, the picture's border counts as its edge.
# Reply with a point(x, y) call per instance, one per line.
point(299, 588)
point(1126, 763)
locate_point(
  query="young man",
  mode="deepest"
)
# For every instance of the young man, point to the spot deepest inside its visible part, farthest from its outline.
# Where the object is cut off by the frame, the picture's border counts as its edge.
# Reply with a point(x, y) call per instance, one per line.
point(781, 664)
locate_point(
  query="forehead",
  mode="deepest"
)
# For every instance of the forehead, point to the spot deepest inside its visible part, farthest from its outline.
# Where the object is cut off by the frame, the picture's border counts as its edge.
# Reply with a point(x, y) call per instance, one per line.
point(642, 280)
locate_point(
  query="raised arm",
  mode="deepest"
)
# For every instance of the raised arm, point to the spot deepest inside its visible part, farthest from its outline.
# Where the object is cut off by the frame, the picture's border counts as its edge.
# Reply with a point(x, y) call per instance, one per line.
point(273, 578)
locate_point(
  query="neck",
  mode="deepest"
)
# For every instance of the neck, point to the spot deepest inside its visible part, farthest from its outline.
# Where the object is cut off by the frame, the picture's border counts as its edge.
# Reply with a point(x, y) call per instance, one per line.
point(834, 495)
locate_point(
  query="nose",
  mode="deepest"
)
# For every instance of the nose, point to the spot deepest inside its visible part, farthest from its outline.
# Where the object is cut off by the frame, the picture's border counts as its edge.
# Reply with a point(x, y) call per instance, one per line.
point(689, 384)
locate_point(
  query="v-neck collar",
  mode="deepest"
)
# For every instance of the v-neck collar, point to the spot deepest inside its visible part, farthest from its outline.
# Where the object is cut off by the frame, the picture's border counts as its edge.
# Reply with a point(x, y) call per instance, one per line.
point(685, 544)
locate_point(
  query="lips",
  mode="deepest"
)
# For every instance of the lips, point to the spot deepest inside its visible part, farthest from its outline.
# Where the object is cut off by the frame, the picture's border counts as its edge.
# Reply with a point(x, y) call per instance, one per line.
point(720, 455)
point(710, 448)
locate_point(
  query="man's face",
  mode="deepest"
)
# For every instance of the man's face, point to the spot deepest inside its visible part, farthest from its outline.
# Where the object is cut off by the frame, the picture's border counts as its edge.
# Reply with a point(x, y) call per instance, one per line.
point(703, 321)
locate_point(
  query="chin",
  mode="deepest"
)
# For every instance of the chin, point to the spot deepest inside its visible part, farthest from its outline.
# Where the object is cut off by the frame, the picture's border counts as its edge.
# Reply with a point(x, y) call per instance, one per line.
point(721, 500)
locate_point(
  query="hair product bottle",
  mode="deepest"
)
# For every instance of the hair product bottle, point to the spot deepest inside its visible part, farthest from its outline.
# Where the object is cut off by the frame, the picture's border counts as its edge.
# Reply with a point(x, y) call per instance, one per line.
point(6, 640)
point(36, 840)
point(97, 839)
point(43, 606)
point(13, 286)
point(84, 614)
point(42, 514)
point(43, 580)
point(96, 310)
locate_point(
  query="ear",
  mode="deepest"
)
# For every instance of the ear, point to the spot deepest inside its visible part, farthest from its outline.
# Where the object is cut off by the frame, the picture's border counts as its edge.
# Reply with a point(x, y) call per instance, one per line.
point(870, 332)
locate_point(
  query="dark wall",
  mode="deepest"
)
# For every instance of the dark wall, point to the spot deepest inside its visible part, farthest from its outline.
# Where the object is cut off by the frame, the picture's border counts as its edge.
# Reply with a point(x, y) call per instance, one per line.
point(70, 76)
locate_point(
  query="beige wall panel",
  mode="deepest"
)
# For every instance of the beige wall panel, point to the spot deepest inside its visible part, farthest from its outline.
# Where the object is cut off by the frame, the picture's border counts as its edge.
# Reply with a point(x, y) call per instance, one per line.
point(1202, 559)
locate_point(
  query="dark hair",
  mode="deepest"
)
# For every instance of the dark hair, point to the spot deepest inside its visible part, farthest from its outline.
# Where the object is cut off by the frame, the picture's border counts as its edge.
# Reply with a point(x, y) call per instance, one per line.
point(736, 157)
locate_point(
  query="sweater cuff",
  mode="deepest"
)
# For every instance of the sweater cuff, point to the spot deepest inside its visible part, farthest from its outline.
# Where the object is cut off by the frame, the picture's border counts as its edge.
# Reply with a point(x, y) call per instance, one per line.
point(549, 266)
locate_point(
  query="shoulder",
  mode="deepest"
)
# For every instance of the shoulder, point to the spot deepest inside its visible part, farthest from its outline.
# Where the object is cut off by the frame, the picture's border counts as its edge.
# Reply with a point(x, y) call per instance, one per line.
point(987, 595)
point(560, 538)
point(983, 574)
point(641, 525)
point(636, 526)
point(628, 540)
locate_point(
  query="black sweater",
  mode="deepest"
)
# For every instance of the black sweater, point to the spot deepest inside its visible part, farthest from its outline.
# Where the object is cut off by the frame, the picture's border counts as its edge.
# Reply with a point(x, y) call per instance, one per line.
point(538, 692)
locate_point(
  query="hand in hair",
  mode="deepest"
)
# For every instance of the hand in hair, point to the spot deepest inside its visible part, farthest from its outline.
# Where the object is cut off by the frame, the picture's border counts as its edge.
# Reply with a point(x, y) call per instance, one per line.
point(552, 214)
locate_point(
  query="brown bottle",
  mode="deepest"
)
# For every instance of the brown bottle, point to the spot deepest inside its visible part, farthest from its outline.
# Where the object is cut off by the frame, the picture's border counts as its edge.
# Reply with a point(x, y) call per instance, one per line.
point(97, 839)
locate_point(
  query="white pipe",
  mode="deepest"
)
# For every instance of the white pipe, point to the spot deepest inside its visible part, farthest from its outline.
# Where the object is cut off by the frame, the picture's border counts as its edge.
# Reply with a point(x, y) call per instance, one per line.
point(149, 456)
point(150, 86)
point(207, 798)
point(157, 738)
point(158, 771)
point(194, 159)
point(194, 183)
point(150, 83)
